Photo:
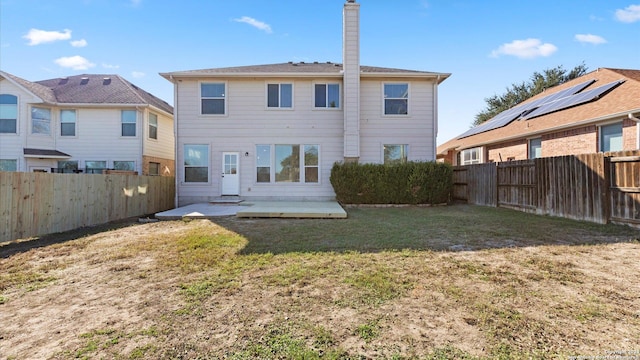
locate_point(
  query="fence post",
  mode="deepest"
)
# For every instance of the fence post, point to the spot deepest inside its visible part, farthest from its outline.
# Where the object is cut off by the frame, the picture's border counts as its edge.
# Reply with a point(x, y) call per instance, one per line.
point(606, 194)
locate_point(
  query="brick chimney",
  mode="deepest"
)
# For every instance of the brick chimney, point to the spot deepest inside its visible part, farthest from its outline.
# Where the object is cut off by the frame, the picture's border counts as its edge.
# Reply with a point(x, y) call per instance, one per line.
point(351, 79)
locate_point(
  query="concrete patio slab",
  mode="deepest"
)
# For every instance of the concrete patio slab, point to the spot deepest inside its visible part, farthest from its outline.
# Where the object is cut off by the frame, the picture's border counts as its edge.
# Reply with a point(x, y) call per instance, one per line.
point(258, 209)
point(293, 209)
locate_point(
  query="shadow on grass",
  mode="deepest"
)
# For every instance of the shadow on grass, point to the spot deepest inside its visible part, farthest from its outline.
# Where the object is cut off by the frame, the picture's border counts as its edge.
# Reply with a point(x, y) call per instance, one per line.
point(443, 228)
point(10, 248)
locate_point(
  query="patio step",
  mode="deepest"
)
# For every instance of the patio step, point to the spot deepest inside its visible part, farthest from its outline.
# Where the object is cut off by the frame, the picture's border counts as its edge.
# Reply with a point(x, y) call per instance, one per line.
point(226, 200)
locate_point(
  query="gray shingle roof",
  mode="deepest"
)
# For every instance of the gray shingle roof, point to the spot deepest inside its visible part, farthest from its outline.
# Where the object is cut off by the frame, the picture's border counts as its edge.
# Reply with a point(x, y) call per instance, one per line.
point(299, 69)
point(91, 89)
point(40, 91)
point(101, 89)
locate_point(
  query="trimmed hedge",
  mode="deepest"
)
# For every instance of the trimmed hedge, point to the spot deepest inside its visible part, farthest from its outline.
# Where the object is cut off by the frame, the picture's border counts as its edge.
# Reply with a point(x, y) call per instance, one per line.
point(408, 183)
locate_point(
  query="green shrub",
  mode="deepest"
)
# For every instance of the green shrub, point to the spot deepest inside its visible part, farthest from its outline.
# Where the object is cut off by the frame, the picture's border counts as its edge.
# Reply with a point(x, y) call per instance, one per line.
point(408, 183)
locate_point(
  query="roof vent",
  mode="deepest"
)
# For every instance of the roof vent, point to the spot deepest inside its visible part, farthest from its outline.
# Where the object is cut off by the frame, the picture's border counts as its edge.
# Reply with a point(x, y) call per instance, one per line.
point(290, 62)
point(301, 62)
point(106, 81)
point(315, 62)
point(84, 81)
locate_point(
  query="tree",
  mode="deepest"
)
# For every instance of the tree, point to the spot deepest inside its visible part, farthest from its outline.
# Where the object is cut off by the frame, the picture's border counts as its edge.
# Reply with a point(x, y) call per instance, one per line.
point(518, 93)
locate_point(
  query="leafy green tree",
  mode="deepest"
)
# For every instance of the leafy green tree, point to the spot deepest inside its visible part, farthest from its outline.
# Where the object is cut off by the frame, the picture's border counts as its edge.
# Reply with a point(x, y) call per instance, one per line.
point(518, 93)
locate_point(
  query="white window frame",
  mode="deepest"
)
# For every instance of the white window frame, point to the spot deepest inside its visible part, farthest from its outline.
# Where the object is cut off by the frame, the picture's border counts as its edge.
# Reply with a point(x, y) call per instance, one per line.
point(17, 115)
point(404, 150)
point(530, 148)
point(302, 166)
point(87, 168)
point(75, 123)
point(279, 107)
point(48, 133)
point(472, 160)
point(206, 163)
point(224, 97)
point(154, 125)
point(384, 99)
point(123, 123)
point(601, 139)
point(326, 93)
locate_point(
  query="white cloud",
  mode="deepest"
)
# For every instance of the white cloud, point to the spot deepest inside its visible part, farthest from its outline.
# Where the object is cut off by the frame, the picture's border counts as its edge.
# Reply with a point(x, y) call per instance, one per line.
point(137, 74)
point(255, 23)
point(630, 14)
point(37, 37)
point(79, 43)
point(525, 49)
point(590, 38)
point(75, 62)
point(109, 66)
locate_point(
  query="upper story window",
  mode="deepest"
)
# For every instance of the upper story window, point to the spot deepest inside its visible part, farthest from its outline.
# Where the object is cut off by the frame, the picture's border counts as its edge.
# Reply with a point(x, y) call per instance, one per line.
point(40, 121)
point(396, 99)
point(153, 126)
point(395, 154)
point(129, 122)
point(67, 123)
point(280, 96)
point(8, 114)
point(327, 95)
point(535, 148)
point(611, 137)
point(212, 98)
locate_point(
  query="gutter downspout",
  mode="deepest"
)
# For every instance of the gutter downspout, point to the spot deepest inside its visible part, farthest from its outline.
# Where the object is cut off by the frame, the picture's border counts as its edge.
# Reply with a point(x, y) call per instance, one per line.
point(175, 139)
point(435, 118)
point(632, 117)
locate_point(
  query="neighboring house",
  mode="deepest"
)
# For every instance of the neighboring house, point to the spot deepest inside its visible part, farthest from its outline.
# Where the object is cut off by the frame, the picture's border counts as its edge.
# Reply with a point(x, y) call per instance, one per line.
point(83, 124)
point(596, 112)
point(275, 131)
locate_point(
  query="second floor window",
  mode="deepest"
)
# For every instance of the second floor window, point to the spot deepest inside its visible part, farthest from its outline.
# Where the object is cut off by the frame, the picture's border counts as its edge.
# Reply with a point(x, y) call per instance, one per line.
point(40, 121)
point(8, 114)
point(129, 122)
point(327, 95)
point(153, 126)
point(212, 98)
point(396, 99)
point(280, 95)
point(67, 123)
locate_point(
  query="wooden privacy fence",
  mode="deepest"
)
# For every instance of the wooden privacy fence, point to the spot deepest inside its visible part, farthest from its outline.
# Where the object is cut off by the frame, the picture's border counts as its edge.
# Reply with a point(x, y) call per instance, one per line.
point(34, 204)
point(599, 187)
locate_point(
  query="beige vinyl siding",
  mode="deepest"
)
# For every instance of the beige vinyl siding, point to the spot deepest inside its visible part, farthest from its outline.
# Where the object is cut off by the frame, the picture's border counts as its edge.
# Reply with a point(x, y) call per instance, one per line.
point(11, 145)
point(248, 123)
point(415, 129)
point(98, 137)
point(164, 146)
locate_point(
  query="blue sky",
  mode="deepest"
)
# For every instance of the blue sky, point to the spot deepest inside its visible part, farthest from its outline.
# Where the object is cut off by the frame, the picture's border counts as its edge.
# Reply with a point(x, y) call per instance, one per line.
point(486, 45)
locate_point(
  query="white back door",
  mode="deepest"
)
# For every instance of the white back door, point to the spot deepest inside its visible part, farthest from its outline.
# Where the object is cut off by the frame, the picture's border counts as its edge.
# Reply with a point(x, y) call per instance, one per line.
point(230, 173)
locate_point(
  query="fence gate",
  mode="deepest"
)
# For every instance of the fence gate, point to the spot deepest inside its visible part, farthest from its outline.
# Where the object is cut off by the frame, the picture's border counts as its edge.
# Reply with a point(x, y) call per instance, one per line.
point(624, 189)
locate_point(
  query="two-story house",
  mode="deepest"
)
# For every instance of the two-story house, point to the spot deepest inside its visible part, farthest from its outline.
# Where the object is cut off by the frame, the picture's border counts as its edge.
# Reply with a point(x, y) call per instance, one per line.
point(596, 112)
point(274, 131)
point(84, 124)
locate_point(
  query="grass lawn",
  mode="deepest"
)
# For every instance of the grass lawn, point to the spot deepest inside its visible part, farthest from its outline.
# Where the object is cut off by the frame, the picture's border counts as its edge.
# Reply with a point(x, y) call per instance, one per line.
point(391, 283)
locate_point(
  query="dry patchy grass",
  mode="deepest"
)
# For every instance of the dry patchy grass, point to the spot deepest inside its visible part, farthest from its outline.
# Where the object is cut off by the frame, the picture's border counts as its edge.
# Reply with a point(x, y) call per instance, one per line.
point(425, 283)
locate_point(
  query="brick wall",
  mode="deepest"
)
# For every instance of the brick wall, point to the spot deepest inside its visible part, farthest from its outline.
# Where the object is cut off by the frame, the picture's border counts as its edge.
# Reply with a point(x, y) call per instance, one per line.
point(629, 135)
point(513, 150)
point(574, 141)
point(167, 167)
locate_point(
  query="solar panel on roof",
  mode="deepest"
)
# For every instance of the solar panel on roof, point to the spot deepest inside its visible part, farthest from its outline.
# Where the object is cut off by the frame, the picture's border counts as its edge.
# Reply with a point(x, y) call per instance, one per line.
point(577, 99)
point(521, 110)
